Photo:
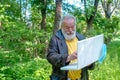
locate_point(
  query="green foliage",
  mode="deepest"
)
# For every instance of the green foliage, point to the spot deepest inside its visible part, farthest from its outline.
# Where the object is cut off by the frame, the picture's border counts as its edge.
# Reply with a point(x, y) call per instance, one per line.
point(109, 27)
point(22, 45)
point(11, 9)
point(26, 41)
point(35, 69)
point(40, 69)
point(3, 16)
point(71, 9)
point(36, 18)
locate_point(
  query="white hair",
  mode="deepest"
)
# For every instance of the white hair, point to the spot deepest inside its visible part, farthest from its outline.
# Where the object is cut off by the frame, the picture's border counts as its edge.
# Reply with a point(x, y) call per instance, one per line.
point(67, 17)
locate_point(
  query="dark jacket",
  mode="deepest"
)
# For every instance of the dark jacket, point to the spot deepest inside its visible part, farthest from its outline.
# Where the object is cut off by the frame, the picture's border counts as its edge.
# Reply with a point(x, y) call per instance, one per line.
point(57, 56)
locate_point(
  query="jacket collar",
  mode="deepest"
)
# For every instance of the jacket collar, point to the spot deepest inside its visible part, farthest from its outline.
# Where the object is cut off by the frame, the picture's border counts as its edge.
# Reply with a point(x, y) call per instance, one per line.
point(59, 34)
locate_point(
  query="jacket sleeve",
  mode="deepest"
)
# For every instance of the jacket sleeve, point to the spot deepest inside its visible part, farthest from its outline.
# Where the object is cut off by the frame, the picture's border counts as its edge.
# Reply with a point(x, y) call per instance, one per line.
point(54, 56)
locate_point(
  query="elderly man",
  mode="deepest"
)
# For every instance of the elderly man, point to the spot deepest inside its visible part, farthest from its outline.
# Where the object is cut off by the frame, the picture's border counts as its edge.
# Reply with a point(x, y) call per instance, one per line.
point(62, 51)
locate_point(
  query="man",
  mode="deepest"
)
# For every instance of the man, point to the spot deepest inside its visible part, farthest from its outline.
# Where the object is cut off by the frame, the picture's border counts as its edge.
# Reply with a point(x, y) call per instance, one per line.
point(62, 51)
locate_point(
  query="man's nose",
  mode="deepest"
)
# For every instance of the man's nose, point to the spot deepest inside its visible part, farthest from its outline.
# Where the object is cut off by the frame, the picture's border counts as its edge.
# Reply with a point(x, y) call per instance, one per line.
point(70, 30)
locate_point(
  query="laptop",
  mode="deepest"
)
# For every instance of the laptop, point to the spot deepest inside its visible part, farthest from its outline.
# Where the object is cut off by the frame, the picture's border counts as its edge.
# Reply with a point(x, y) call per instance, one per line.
point(88, 52)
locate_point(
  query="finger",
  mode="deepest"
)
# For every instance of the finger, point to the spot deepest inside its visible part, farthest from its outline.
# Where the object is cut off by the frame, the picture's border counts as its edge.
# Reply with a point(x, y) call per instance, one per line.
point(75, 52)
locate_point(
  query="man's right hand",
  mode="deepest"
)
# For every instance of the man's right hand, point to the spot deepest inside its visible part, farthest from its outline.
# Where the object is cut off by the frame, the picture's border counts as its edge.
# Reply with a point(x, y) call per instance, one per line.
point(72, 56)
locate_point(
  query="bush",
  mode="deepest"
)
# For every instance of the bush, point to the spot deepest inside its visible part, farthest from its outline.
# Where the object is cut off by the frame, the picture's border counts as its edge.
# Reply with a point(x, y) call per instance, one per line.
point(36, 69)
point(25, 41)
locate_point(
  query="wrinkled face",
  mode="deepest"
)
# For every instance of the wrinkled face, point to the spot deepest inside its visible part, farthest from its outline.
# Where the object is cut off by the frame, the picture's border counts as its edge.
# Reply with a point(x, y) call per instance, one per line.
point(69, 29)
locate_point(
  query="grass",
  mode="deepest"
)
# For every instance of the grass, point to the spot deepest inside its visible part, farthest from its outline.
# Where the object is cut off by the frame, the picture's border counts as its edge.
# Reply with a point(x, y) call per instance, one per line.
point(109, 69)
point(15, 67)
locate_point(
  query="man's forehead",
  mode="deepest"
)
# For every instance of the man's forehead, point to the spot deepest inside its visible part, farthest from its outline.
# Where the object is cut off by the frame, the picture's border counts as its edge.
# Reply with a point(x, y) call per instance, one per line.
point(68, 23)
point(68, 20)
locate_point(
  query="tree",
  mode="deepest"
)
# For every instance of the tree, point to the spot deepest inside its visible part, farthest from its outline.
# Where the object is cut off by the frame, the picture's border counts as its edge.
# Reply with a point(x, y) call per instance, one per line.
point(43, 13)
point(20, 9)
point(90, 16)
point(58, 13)
point(38, 11)
point(13, 10)
point(108, 5)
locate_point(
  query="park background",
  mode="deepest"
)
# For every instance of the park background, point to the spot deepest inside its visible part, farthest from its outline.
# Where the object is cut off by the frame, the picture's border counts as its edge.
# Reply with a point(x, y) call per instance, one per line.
point(26, 27)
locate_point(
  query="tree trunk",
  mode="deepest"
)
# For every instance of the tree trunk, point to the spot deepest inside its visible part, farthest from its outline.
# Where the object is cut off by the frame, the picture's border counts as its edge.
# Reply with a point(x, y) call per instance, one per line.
point(109, 8)
point(26, 3)
point(0, 25)
point(58, 13)
point(91, 19)
point(108, 12)
point(43, 12)
point(43, 22)
point(21, 10)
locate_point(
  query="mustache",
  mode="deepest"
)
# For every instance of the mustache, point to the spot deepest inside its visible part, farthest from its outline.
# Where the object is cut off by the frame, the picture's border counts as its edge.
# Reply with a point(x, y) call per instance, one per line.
point(69, 35)
point(72, 32)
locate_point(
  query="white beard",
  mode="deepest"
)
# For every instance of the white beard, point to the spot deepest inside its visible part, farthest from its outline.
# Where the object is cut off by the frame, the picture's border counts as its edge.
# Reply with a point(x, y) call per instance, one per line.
point(69, 37)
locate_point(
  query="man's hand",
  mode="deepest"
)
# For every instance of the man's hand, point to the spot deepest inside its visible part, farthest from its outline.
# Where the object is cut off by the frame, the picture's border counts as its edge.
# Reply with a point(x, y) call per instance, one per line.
point(72, 56)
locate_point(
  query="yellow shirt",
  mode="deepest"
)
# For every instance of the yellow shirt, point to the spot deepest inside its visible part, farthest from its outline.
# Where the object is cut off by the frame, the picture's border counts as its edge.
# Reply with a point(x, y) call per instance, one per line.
point(72, 47)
